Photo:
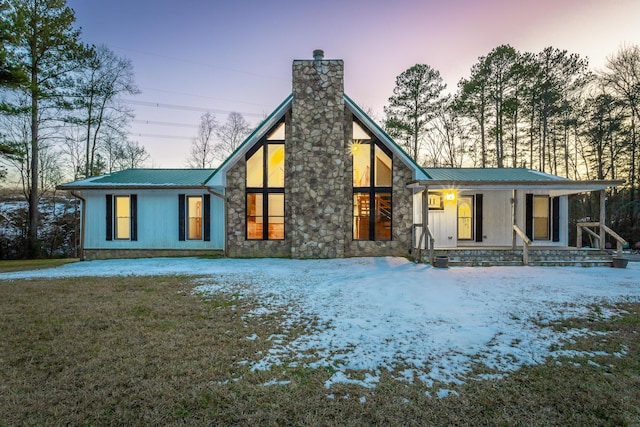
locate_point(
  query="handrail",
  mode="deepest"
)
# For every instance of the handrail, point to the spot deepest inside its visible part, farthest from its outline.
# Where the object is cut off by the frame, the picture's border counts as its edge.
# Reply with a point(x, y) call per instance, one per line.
point(589, 232)
point(430, 243)
point(620, 242)
point(525, 244)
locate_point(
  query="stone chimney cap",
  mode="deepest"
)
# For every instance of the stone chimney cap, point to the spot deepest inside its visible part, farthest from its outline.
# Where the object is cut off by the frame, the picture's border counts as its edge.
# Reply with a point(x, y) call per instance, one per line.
point(318, 55)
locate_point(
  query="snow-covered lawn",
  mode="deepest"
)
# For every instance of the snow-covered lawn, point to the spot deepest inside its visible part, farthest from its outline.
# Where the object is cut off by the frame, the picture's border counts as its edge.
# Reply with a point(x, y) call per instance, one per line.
point(378, 314)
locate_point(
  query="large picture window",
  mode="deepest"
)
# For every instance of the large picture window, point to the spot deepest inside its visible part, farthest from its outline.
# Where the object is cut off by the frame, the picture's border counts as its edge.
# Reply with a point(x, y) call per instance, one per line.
point(372, 187)
point(265, 187)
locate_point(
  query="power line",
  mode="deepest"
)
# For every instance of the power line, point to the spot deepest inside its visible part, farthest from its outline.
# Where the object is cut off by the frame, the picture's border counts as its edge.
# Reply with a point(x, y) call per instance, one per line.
point(186, 107)
point(153, 122)
point(203, 96)
point(202, 64)
point(150, 135)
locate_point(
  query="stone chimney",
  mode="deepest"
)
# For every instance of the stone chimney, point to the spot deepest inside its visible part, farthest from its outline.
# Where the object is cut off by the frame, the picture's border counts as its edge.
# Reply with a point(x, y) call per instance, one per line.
point(318, 155)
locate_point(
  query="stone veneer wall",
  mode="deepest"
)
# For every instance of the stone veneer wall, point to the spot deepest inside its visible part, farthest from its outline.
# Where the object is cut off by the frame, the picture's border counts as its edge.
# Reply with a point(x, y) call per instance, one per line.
point(317, 173)
point(318, 179)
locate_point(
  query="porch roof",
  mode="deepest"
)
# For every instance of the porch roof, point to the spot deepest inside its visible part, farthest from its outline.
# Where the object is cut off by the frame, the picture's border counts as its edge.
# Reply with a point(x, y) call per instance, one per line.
point(508, 179)
point(489, 174)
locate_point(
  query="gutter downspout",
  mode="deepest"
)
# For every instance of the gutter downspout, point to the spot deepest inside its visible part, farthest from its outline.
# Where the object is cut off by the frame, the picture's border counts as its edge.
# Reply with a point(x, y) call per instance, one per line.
point(226, 216)
point(82, 222)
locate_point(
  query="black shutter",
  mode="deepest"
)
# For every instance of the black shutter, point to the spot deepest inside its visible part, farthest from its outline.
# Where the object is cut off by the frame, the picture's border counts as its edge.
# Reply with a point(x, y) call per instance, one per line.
point(181, 217)
point(109, 217)
point(528, 212)
point(134, 216)
point(206, 212)
point(555, 224)
point(478, 217)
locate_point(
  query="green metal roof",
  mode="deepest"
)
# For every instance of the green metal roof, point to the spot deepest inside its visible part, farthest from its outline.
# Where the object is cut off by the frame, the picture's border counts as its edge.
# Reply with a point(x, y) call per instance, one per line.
point(489, 174)
point(145, 178)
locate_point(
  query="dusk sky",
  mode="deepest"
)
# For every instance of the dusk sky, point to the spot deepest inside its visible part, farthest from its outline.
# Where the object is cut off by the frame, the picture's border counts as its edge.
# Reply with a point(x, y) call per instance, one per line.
point(193, 55)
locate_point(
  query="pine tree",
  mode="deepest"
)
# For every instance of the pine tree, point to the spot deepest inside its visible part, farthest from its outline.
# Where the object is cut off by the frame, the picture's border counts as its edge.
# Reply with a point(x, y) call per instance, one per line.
point(44, 47)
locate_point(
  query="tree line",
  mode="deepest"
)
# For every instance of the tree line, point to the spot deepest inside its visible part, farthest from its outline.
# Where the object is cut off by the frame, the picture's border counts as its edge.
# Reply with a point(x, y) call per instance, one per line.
point(61, 103)
point(545, 111)
point(62, 114)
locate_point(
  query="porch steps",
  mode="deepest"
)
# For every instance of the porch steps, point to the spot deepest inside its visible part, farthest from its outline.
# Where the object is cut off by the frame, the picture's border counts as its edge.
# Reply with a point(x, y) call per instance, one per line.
point(486, 257)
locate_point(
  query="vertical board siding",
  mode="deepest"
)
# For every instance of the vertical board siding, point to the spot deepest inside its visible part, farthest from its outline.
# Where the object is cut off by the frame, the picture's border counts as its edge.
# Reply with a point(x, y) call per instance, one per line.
point(493, 219)
point(156, 221)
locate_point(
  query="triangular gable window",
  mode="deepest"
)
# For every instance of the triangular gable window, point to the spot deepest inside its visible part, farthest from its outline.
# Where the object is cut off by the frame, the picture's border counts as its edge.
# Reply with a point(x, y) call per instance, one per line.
point(278, 134)
point(359, 133)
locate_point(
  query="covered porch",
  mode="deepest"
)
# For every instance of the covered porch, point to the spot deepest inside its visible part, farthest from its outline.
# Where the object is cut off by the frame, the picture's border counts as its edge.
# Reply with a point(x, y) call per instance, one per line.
point(505, 217)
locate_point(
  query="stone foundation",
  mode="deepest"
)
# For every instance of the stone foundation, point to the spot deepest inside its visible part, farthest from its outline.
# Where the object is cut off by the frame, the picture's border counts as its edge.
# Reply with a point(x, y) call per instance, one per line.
point(93, 254)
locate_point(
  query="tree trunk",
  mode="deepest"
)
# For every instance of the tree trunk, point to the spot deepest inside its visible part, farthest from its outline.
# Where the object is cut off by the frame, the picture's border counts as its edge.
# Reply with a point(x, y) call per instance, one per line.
point(543, 139)
point(566, 149)
point(634, 146)
point(88, 159)
point(32, 235)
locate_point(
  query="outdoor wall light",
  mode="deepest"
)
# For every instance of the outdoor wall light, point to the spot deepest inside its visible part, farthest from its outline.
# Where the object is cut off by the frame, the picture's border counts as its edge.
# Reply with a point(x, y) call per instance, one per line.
point(450, 196)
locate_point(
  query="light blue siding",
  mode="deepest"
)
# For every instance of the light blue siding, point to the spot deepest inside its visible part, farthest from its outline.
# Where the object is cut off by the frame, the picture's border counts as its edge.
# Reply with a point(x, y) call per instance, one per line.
point(157, 221)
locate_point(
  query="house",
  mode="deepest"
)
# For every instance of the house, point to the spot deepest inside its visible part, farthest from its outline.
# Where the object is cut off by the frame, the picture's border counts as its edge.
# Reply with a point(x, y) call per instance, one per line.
point(319, 179)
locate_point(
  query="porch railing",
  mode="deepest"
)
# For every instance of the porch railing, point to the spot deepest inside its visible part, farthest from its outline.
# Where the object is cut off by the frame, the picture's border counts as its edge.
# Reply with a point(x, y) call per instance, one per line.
point(584, 226)
point(525, 243)
point(429, 242)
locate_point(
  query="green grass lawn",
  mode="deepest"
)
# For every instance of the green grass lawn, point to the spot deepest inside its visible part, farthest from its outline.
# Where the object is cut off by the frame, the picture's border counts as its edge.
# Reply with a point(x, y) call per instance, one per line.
point(32, 264)
point(147, 351)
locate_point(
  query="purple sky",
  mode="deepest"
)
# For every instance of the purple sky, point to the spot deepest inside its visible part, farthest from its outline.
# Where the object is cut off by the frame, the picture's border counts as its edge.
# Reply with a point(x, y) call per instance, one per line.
point(236, 55)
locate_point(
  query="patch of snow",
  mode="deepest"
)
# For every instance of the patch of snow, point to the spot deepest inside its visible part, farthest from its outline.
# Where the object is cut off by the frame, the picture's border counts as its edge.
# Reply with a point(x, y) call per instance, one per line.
point(443, 392)
point(388, 314)
point(252, 337)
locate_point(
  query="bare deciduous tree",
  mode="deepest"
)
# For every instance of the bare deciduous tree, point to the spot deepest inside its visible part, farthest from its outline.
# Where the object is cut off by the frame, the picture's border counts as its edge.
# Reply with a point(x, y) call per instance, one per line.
point(104, 78)
point(202, 147)
point(131, 155)
point(230, 135)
